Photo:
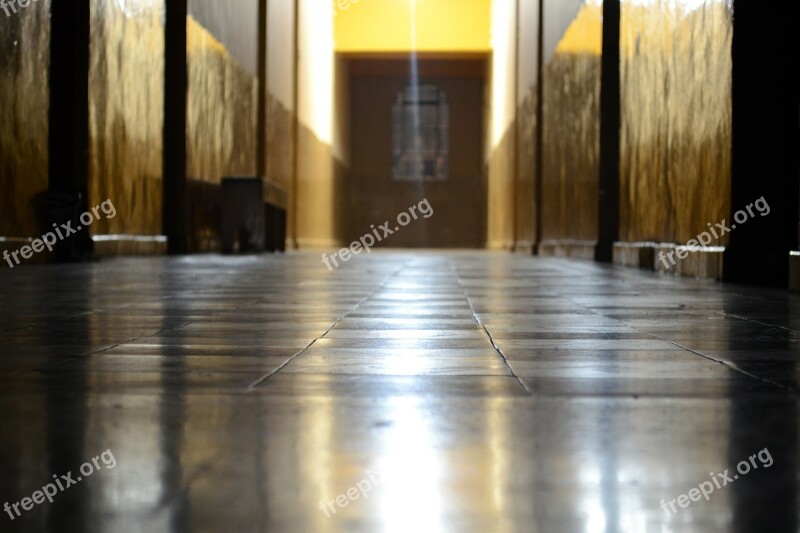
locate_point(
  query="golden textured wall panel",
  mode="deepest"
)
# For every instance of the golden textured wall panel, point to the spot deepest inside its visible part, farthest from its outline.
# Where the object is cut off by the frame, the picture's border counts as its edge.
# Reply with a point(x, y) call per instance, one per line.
point(676, 118)
point(500, 220)
point(221, 110)
point(571, 130)
point(126, 114)
point(280, 145)
point(24, 104)
point(526, 173)
point(320, 184)
point(526, 123)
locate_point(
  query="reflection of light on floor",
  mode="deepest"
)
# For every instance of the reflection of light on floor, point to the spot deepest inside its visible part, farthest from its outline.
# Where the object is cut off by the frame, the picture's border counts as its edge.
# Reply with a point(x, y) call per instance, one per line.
point(422, 297)
point(406, 366)
point(410, 470)
point(498, 430)
point(408, 334)
point(317, 443)
point(603, 497)
point(632, 514)
point(595, 517)
point(147, 470)
point(591, 504)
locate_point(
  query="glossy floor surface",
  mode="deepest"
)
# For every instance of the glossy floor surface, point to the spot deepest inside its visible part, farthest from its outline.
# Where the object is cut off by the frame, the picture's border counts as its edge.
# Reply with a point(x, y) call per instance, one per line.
point(409, 393)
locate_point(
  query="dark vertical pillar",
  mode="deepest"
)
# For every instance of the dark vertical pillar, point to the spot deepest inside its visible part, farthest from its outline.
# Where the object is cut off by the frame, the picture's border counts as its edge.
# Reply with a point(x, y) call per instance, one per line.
point(515, 173)
point(175, 223)
point(261, 149)
point(293, 202)
point(766, 140)
point(608, 190)
point(69, 95)
point(539, 133)
point(69, 122)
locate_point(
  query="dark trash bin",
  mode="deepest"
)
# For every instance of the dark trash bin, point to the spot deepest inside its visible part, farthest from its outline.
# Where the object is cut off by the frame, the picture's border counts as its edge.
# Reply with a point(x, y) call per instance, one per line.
point(66, 207)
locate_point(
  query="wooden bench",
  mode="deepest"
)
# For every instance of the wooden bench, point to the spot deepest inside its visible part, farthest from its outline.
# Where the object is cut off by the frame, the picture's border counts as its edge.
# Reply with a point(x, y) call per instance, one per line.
point(253, 215)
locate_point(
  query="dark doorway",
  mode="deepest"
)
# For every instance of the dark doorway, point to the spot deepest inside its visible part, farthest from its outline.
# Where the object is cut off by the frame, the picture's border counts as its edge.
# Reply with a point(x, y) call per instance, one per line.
point(430, 113)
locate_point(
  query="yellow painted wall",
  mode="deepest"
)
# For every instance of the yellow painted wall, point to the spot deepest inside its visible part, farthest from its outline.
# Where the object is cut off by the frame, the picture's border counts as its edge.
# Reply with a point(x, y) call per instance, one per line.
point(386, 25)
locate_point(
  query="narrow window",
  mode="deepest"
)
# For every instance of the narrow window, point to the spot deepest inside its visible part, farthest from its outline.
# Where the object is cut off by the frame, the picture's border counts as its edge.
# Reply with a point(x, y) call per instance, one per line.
point(420, 134)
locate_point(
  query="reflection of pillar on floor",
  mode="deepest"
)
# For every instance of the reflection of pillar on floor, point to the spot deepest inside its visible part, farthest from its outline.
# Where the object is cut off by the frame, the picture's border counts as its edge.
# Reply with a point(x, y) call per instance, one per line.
point(68, 436)
point(767, 486)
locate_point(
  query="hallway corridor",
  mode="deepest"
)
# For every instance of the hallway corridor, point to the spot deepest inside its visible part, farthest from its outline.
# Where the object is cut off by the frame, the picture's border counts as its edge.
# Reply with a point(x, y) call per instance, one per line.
point(399, 266)
point(408, 392)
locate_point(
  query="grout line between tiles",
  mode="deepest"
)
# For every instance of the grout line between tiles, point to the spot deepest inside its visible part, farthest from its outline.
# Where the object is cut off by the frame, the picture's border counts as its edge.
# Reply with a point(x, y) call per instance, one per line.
point(268, 375)
point(729, 365)
point(488, 334)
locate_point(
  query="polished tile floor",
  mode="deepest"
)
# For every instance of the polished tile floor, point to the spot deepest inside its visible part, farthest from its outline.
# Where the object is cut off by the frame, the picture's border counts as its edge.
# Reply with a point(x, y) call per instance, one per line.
point(409, 393)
